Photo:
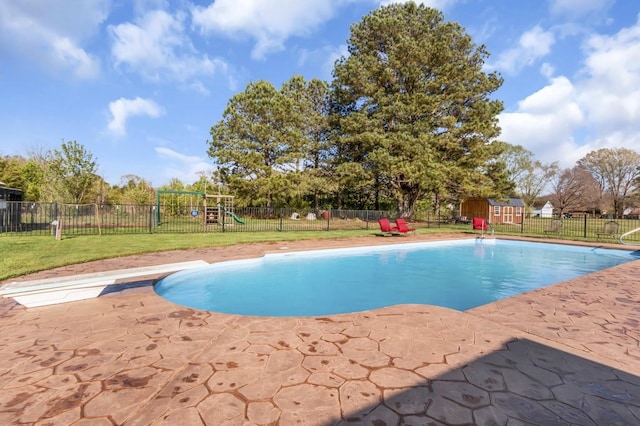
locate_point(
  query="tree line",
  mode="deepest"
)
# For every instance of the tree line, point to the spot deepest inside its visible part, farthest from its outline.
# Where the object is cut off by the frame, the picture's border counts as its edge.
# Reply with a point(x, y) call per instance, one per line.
point(408, 123)
point(605, 181)
point(70, 175)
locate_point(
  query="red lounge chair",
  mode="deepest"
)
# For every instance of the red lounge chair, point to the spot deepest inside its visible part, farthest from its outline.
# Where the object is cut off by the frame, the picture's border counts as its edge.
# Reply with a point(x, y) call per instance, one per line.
point(402, 226)
point(386, 228)
point(480, 223)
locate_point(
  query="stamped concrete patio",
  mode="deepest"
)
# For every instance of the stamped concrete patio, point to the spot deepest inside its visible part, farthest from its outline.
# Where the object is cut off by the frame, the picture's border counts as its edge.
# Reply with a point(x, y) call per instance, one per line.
point(566, 354)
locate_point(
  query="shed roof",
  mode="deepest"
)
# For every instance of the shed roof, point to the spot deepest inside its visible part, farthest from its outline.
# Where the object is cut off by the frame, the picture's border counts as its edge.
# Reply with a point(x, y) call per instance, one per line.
point(513, 202)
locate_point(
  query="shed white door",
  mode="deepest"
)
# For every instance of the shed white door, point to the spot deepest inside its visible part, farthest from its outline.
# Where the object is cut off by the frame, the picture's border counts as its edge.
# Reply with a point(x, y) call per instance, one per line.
point(507, 214)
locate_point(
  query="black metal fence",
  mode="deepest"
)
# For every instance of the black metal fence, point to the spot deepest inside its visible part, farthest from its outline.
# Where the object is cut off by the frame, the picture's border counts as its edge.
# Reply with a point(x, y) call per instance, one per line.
point(25, 218)
point(604, 229)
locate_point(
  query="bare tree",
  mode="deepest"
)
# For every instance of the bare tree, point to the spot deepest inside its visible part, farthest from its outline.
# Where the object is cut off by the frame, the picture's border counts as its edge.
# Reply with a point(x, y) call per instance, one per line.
point(593, 198)
point(570, 189)
point(530, 176)
point(617, 172)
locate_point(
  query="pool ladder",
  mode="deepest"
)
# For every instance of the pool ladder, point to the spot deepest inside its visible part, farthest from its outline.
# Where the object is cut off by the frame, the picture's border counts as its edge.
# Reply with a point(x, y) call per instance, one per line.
point(482, 229)
point(633, 231)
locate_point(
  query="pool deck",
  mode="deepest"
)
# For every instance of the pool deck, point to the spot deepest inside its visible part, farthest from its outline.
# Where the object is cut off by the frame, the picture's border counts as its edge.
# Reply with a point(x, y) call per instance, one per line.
point(565, 354)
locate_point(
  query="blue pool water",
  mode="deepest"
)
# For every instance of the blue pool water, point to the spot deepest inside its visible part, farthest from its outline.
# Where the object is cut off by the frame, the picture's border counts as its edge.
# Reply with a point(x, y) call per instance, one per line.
point(458, 274)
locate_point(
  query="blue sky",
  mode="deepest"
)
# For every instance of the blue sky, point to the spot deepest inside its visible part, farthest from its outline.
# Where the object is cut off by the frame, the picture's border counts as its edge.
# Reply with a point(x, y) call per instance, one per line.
point(140, 83)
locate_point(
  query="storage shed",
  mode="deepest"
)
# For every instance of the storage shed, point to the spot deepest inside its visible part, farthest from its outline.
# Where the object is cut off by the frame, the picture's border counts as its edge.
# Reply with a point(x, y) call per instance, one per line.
point(495, 211)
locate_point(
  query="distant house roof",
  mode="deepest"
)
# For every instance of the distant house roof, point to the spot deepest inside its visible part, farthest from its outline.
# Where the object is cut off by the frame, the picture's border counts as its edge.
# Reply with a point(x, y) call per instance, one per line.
point(513, 202)
point(539, 207)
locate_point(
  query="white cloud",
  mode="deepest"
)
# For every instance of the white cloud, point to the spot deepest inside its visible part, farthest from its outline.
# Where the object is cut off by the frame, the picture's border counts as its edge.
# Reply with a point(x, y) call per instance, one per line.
point(575, 9)
point(547, 70)
point(611, 85)
point(268, 23)
point(76, 19)
point(157, 46)
point(142, 6)
point(545, 121)
point(184, 167)
point(52, 32)
point(532, 45)
point(68, 55)
point(122, 109)
point(600, 109)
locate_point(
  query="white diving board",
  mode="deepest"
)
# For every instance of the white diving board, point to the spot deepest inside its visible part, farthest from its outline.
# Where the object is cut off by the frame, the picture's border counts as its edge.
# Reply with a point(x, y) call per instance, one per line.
point(51, 291)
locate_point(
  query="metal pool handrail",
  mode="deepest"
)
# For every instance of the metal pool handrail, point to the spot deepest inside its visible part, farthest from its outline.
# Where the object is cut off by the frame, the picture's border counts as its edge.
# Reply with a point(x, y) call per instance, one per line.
point(626, 234)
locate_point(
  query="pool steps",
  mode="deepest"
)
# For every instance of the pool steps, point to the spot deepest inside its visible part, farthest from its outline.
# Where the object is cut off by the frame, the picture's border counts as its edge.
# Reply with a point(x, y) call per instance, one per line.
point(51, 291)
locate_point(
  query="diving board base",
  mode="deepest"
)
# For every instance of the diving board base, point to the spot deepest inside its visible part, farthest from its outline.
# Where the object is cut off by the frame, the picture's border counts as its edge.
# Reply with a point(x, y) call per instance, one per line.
point(60, 295)
point(52, 291)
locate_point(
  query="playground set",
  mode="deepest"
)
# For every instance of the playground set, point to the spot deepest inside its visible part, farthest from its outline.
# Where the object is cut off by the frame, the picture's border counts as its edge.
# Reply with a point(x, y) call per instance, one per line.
point(213, 207)
point(215, 210)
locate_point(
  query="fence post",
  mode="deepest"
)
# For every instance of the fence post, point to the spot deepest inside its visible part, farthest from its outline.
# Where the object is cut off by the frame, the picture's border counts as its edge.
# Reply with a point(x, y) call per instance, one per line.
point(58, 229)
point(55, 218)
point(585, 226)
point(281, 213)
point(151, 219)
point(522, 222)
point(366, 216)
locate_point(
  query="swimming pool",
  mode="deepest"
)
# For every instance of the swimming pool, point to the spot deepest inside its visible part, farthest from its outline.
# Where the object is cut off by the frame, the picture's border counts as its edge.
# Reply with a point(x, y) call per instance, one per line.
point(459, 274)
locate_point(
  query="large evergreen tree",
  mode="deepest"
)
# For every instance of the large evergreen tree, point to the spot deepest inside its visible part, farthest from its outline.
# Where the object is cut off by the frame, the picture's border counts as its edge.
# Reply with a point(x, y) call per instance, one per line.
point(413, 109)
point(271, 145)
point(252, 144)
point(310, 104)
